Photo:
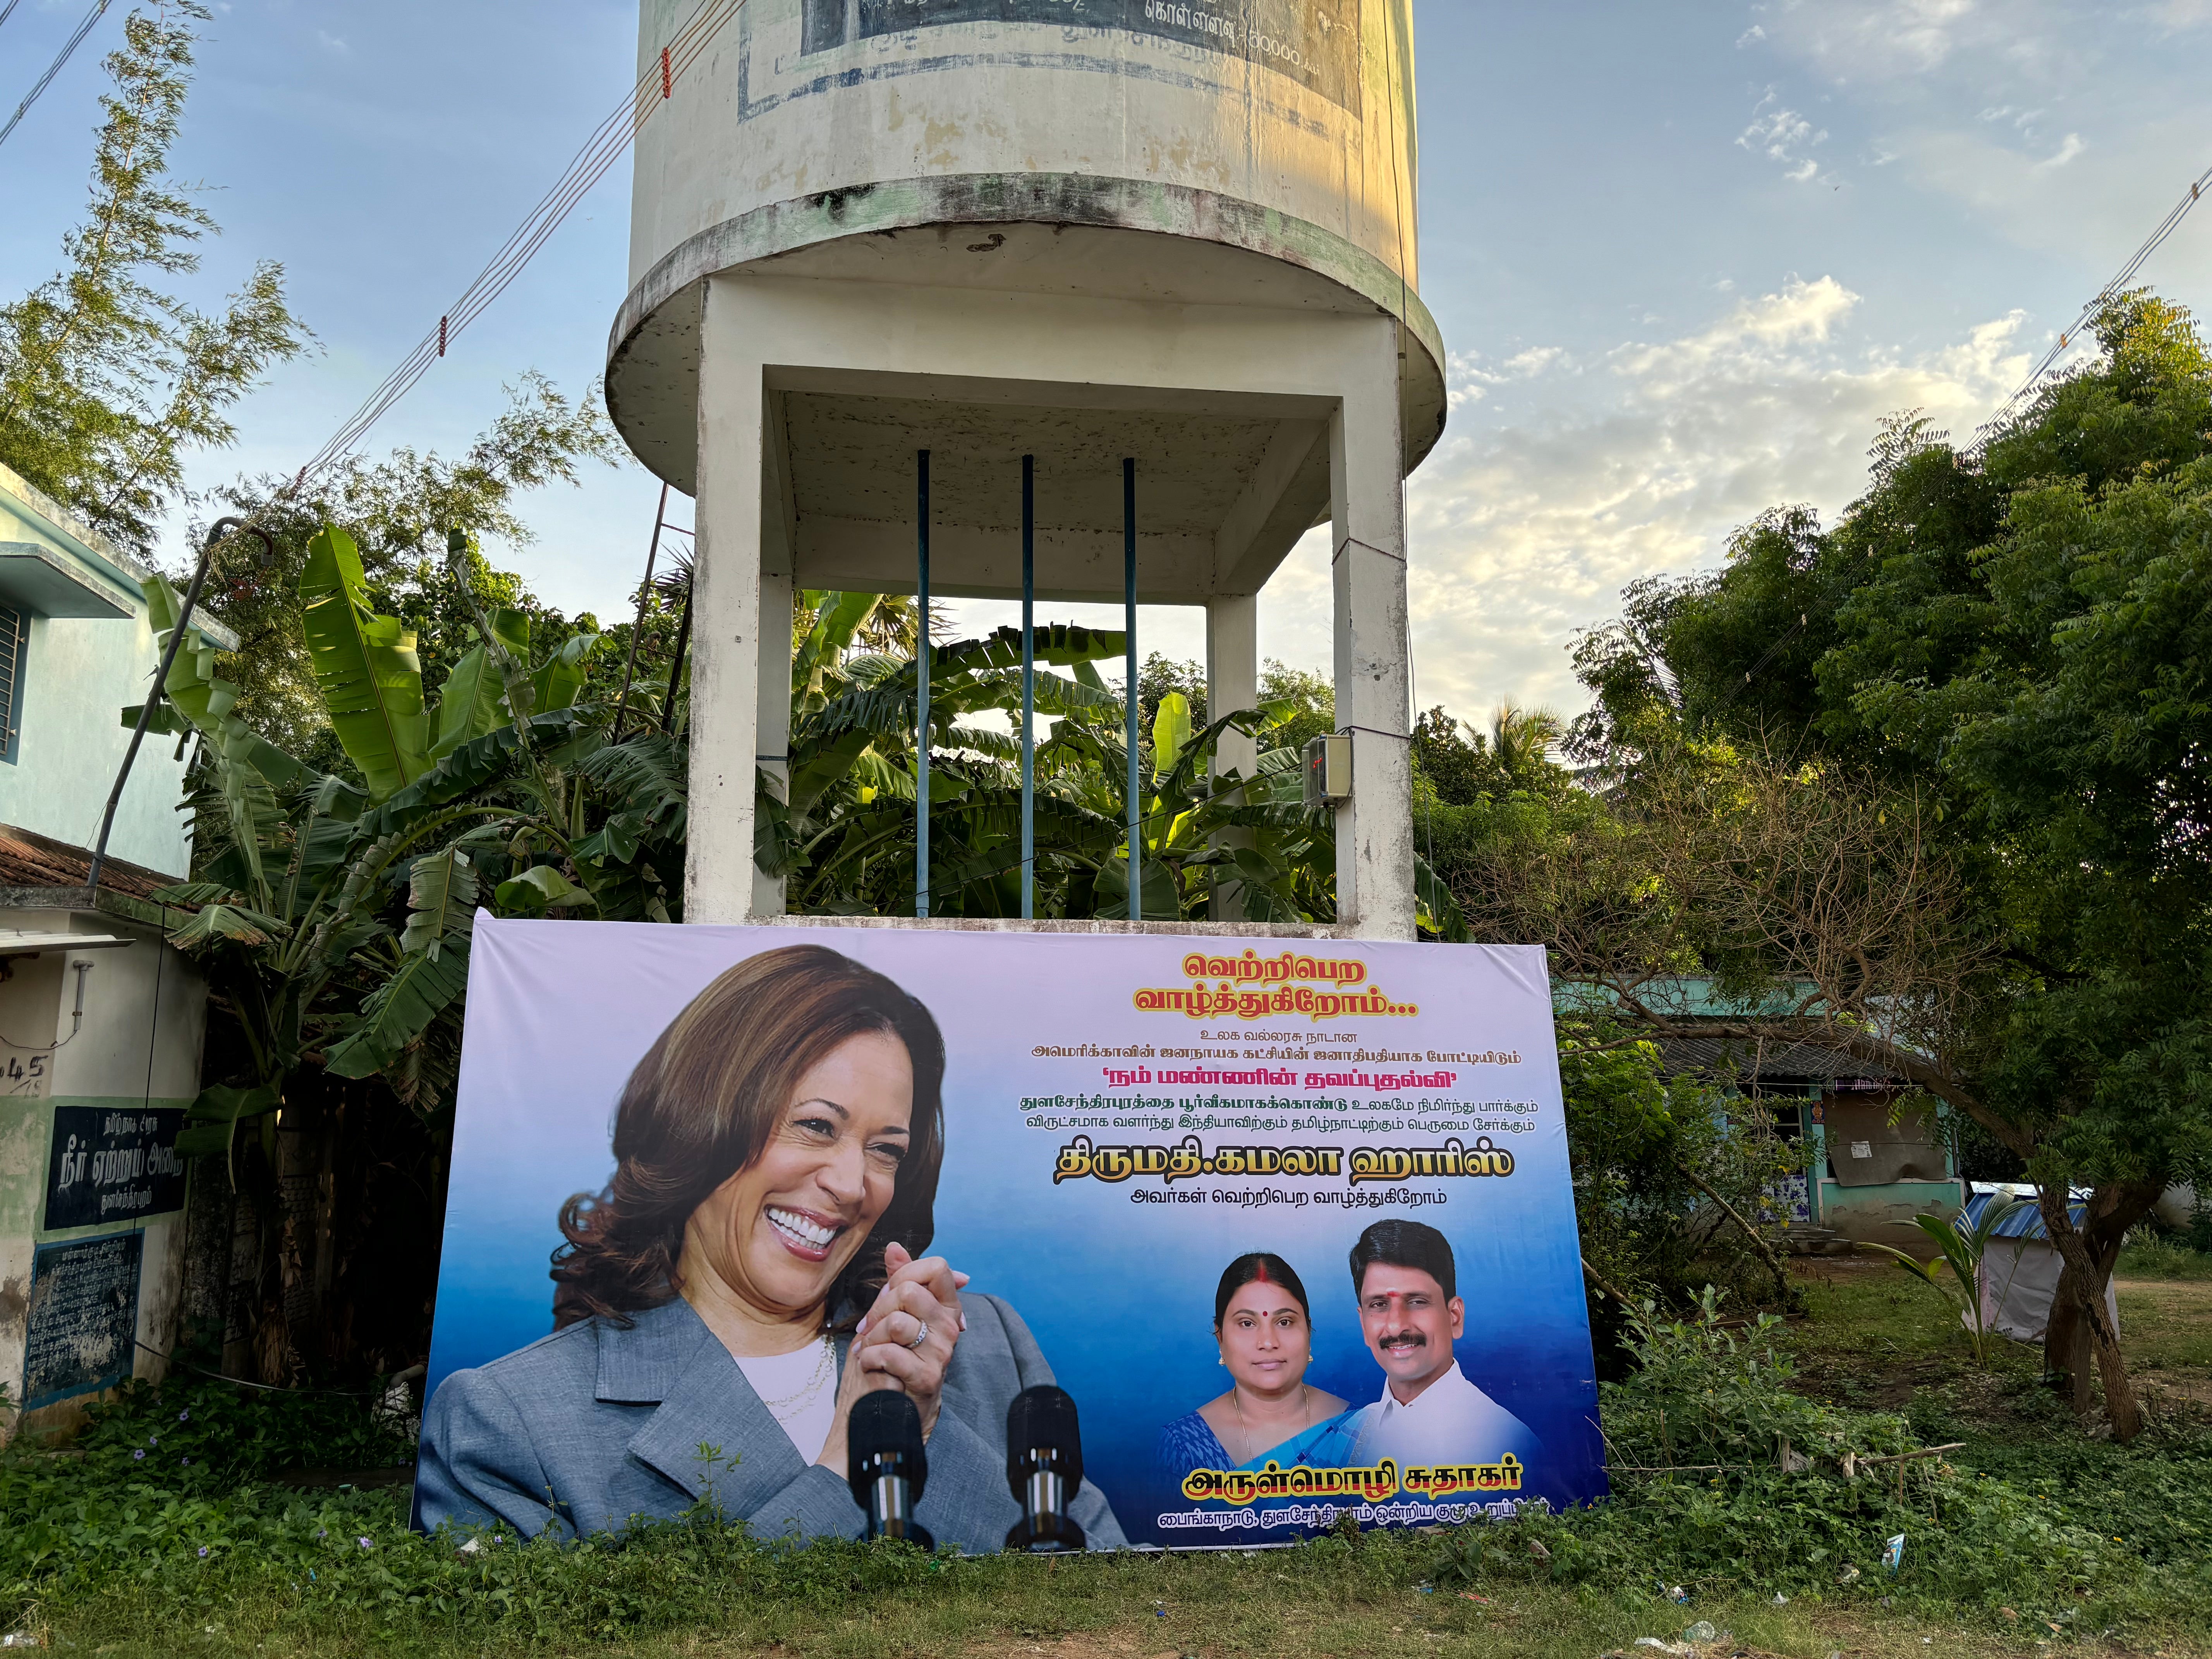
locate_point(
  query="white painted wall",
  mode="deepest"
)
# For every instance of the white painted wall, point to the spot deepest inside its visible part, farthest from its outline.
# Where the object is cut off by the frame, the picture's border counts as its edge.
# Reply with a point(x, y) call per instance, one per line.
point(141, 1042)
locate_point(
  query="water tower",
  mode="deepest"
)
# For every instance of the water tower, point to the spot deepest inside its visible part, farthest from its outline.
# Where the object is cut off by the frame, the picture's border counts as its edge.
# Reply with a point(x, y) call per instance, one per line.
point(1080, 230)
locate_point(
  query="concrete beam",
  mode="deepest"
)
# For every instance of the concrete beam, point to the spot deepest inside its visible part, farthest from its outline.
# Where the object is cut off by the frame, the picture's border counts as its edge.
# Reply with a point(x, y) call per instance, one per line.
point(1286, 496)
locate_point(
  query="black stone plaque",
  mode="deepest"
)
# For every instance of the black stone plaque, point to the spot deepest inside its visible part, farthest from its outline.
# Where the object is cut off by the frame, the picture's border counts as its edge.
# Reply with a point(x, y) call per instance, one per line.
point(1316, 45)
point(113, 1164)
point(83, 1317)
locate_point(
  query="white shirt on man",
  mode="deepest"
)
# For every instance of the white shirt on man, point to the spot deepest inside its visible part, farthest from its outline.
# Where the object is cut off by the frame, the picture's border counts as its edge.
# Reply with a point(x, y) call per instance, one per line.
point(1450, 1421)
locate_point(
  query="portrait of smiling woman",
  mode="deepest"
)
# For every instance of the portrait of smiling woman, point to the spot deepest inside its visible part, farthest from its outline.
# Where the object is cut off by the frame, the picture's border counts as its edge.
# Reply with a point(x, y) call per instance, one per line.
point(1264, 1327)
point(755, 1266)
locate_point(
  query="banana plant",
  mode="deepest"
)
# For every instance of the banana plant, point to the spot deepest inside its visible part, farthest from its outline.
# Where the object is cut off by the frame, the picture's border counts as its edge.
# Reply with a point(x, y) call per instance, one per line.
point(335, 918)
point(842, 832)
point(1960, 1245)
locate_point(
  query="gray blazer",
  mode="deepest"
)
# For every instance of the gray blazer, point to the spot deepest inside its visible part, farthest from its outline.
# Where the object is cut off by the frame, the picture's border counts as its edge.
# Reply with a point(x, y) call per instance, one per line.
point(592, 1425)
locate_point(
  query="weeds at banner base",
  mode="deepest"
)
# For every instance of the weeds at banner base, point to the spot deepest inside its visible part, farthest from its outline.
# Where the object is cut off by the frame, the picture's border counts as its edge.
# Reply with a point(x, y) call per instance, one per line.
point(120, 1542)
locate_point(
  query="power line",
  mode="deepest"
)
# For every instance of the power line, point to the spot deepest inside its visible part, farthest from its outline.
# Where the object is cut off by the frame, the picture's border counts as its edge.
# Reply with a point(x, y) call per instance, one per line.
point(98, 9)
point(600, 151)
point(2150, 244)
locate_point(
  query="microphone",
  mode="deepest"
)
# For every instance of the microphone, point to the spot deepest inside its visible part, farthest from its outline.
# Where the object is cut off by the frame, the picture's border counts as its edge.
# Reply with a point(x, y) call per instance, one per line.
point(886, 1467)
point(1044, 1466)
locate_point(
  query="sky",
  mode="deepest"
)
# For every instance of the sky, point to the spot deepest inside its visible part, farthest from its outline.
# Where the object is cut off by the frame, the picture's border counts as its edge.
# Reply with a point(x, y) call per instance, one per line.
point(1684, 257)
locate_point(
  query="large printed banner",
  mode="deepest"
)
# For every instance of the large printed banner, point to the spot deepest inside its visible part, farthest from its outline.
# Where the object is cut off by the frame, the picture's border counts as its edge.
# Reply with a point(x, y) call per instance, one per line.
point(1290, 1220)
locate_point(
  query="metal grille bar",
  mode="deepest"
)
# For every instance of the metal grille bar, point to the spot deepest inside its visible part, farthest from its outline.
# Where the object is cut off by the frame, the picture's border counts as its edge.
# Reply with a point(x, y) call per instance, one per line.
point(11, 670)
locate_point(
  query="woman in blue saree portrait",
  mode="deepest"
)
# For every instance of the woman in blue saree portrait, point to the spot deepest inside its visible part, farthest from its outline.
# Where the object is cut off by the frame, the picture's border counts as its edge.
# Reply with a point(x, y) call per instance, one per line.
point(1270, 1414)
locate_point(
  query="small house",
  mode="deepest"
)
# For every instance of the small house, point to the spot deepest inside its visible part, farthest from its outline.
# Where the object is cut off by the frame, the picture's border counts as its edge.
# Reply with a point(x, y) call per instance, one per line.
point(101, 1019)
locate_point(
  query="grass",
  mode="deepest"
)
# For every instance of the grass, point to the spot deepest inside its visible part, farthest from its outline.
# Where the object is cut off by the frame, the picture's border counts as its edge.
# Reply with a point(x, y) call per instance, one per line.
point(1277, 1605)
point(1877, 1340)
point(2157, 1255)
point(2036, 1536)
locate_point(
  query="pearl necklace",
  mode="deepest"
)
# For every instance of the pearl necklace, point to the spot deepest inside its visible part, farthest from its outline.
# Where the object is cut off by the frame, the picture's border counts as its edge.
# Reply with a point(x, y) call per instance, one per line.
point(822, 1367)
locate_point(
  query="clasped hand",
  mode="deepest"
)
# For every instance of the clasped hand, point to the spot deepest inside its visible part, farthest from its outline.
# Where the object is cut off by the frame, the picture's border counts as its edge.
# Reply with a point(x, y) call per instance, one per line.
point(920, 1299)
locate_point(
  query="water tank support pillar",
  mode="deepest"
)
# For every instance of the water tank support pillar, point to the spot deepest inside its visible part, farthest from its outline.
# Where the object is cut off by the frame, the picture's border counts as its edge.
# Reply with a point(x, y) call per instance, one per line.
point(1375, 825)
point(725, 602)
point(1233, 682)
point(921, 683)
point(773, 752)
point(1135, 872)
point(1029, 687)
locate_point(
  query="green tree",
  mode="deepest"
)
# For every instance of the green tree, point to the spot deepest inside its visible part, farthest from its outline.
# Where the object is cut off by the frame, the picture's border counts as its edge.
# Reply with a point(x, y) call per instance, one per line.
point(333, 918)
point(107, 382)
point(1672, 1178)
point(2010, 655)
point(1306, 702)
point(841, 833)
point(397, 511)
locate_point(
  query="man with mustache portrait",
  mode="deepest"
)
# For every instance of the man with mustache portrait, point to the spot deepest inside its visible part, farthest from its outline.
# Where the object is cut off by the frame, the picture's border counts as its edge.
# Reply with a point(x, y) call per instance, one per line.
point(1410, 1313)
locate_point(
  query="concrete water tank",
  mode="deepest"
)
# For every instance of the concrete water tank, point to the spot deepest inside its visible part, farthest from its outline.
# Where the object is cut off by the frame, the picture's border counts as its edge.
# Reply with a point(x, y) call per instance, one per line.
point(1079, 230)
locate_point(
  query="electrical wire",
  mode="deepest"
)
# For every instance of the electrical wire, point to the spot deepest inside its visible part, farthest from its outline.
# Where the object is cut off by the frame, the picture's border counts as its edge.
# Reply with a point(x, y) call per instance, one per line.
point(98, 9)
point(9, 10)
point(275, 1388)
point(2105, 295)
point(605, 145)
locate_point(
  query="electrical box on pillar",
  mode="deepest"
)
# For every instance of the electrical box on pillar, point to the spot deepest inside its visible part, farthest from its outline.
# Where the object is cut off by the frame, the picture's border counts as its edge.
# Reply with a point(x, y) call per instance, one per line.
point(1328, 770)
point(1172, 261)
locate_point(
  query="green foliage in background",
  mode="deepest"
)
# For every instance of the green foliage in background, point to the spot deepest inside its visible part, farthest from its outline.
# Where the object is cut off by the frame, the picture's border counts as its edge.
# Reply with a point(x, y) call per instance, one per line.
point(840, 830)
point(397, 511)
point(1635, 1139)
point(336, 918)
point(2004, 656)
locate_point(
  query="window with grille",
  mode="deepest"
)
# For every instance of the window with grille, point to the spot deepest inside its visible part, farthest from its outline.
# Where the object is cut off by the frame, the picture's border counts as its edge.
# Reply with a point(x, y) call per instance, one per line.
point(11, 678)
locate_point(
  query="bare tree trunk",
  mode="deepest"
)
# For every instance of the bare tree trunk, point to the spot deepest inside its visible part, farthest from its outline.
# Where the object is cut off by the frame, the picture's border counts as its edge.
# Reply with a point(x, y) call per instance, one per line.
point(2078, 1313)
point(2088, 1253)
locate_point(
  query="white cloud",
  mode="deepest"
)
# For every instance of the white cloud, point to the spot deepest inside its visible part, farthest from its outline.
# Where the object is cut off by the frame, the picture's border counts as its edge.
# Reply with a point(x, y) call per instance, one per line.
point(1467, 382)
point(1783, 136)
point(1854, 39)
point(1533, 362)
point(1522, 533)
point(2180, 15)
point(2067, 151)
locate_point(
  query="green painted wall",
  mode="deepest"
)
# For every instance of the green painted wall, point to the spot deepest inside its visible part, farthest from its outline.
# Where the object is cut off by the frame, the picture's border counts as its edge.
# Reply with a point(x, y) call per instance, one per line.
point(77, 674)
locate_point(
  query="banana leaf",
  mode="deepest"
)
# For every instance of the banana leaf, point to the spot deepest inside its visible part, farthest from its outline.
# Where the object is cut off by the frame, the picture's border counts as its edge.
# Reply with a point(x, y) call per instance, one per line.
point(541, 888)
point(400, 1010)
point(210, 1120)
point(442, 896)
point(365, 666)
point(469, 707)
point(559, 680)
point(1171, 730)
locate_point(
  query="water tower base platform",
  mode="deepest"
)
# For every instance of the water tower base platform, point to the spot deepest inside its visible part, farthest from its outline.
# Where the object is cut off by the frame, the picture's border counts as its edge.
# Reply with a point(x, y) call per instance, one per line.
point(1249, 426)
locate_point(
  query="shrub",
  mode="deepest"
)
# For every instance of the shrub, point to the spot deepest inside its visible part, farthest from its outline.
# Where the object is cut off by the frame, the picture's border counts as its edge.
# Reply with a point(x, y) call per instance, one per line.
point(1701, 1499)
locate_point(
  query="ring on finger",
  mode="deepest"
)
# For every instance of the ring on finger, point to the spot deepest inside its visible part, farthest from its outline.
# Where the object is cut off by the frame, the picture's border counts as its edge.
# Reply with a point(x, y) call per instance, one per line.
point(921, 1335)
